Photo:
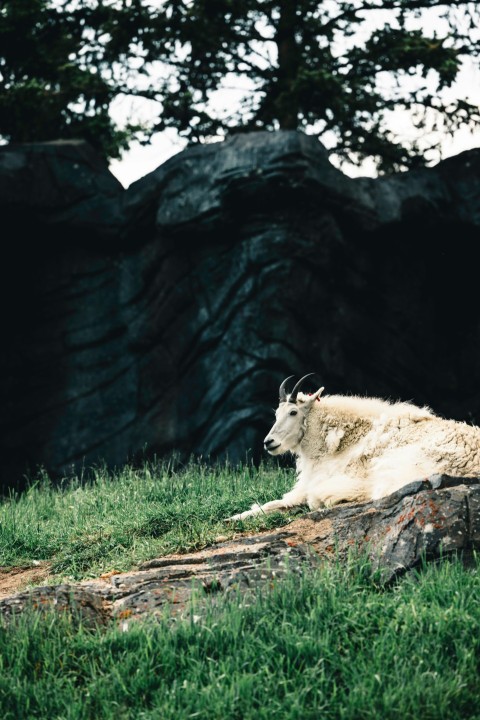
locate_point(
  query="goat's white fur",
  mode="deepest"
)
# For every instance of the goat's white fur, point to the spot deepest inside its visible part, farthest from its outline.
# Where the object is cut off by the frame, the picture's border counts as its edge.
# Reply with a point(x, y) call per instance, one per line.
point(357, 449)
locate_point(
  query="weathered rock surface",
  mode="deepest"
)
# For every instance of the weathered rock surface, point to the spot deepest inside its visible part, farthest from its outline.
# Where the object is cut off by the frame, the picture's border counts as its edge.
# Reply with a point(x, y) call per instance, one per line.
point(425, 520)
point(163, 317)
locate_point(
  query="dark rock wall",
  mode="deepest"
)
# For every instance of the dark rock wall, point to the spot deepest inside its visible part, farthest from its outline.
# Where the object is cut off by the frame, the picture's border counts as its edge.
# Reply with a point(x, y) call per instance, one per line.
point(164, 317)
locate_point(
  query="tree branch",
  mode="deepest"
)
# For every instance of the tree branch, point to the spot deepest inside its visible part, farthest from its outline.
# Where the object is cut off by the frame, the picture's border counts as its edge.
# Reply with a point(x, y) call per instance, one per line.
point(411, 4)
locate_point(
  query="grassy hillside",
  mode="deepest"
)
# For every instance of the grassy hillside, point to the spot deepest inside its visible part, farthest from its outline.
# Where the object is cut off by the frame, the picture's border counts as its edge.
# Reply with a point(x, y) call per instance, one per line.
point(119, 519)
point(330, 645)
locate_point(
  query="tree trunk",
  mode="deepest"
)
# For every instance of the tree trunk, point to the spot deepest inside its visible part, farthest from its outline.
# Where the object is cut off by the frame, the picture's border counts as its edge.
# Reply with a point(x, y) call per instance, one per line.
point(288, 62)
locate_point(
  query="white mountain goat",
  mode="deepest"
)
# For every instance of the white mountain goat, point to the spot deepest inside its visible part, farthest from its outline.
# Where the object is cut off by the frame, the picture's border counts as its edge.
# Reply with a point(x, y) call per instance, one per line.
point(358, 448)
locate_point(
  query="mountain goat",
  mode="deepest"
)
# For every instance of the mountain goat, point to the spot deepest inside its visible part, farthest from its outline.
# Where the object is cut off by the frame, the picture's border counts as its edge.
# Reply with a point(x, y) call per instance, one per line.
point(359, 449)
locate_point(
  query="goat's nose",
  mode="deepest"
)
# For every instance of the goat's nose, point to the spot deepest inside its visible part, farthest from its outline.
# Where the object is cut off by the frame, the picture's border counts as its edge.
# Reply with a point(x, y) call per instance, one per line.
point(268, 441)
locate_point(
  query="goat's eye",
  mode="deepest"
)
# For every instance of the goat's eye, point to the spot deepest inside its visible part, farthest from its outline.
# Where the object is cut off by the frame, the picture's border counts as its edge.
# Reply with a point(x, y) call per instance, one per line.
point(293, 412)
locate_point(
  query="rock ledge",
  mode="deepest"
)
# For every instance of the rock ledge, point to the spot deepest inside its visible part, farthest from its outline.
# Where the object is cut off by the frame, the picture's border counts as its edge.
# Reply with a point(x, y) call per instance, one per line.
point(426, 520)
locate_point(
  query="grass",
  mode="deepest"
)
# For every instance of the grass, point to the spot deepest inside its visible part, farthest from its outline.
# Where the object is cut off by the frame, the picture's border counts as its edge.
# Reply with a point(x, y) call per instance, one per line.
point(329, 645)
point(118, 520)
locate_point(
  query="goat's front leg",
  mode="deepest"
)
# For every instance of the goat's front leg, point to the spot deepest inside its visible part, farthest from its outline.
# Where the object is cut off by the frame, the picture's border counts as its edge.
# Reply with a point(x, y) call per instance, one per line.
point(289, 500)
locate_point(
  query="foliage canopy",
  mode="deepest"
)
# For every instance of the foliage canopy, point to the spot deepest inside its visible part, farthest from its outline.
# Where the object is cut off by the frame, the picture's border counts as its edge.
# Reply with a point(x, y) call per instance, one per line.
point(336, 67)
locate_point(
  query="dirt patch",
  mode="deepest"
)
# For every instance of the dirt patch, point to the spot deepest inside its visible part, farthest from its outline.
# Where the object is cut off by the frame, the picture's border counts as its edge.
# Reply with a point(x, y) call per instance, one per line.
point(307, 530)
point(16, 579)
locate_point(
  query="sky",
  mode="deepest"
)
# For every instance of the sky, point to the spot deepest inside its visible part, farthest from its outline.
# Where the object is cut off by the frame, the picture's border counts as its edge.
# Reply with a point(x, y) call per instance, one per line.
point(140, 160)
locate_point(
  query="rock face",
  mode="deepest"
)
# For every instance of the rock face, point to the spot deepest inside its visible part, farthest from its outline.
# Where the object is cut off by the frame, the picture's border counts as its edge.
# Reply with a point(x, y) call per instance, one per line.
point(427, 520)
point(163, 317)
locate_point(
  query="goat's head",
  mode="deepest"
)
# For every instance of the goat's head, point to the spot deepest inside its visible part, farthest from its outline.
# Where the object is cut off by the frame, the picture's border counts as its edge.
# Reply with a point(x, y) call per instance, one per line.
point(291, 418)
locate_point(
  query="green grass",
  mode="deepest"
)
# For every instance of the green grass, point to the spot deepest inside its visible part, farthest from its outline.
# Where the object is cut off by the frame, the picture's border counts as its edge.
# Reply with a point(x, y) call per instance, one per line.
point(118, 520)
point(329, 645)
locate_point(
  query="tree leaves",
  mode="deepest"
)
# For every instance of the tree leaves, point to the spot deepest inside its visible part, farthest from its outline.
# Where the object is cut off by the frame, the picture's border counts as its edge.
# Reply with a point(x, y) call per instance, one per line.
point(324, 67)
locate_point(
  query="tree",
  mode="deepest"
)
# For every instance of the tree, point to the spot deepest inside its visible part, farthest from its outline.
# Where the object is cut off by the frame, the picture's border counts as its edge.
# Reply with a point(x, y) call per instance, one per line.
point(317, 66)
point(60, 72)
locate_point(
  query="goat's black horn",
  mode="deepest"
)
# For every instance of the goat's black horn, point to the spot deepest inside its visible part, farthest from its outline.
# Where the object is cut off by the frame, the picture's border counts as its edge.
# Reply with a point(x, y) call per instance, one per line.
point(294, 393)
point(282, 391)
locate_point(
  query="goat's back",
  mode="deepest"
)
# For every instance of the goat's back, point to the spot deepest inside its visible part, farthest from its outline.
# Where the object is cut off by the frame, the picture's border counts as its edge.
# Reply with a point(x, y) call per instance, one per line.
point(380, 446)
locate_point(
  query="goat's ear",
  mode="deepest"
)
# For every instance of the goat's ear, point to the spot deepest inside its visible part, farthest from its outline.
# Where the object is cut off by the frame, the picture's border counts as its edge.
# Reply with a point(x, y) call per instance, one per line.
point(316, 395)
